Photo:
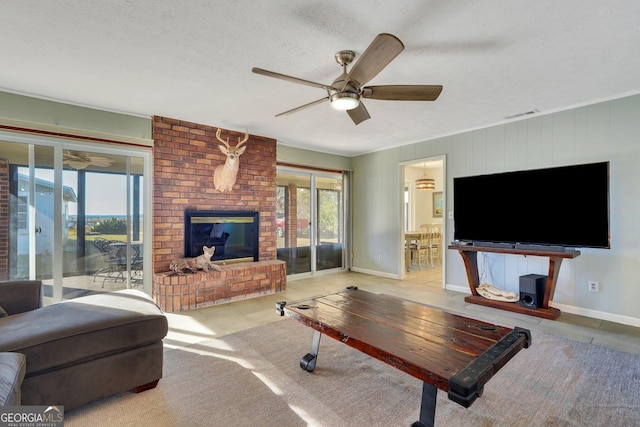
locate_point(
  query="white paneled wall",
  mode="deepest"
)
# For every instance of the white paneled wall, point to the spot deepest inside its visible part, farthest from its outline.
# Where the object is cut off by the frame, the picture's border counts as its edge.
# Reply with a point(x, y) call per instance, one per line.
point(607, 131)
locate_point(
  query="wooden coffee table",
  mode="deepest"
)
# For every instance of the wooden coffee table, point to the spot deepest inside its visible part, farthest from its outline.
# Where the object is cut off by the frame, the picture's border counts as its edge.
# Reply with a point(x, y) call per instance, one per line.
point(446, 351)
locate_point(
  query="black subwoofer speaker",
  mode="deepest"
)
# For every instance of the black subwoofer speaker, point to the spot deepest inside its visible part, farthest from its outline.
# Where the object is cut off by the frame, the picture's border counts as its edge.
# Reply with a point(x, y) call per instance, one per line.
point(532, 290)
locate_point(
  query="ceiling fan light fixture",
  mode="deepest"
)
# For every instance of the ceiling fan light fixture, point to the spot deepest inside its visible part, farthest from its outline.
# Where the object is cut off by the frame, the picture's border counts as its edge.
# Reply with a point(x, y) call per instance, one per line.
point(346, 90)
point(345, 100)
point(77, 165)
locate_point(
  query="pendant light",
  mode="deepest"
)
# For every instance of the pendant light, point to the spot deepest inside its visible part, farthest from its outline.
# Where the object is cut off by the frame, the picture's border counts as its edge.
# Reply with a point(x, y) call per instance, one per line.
point(423, 183)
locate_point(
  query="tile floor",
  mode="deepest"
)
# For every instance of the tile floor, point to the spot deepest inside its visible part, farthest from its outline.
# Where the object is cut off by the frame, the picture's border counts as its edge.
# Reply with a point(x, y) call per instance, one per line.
point(422, 286)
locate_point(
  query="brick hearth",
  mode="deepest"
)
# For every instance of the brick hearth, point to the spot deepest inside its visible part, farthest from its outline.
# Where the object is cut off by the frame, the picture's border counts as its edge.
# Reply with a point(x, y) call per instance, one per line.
point(235, 281)
point(185, 156)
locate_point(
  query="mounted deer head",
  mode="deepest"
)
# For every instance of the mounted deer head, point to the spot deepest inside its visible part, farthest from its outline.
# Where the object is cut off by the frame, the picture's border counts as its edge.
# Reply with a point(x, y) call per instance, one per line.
point(224, 176)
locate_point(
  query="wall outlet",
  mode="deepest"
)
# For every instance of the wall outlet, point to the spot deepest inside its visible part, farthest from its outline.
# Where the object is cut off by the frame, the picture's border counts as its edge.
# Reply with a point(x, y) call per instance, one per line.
point(594, 286)
point(380, 257)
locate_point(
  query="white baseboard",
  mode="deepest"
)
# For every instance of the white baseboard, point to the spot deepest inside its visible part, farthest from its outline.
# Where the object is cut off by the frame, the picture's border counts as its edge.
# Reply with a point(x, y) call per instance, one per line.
point(595, 314)
point(602, 315)
point(610, 317)
point(458, 288)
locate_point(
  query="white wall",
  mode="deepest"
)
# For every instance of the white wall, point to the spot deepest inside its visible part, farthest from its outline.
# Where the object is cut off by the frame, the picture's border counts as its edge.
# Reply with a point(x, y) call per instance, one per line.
point(607, 131)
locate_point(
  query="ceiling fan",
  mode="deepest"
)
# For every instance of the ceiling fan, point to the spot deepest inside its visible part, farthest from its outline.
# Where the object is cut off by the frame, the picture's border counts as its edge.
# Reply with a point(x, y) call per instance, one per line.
point(78, 160)
point(346, 92)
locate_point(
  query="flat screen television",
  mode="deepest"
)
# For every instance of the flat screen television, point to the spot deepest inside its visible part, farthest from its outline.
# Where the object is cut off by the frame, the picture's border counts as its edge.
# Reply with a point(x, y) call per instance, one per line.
point(565, 206)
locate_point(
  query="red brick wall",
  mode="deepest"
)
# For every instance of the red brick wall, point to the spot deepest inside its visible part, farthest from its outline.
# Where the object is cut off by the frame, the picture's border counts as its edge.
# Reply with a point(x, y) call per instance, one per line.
point(291, 235)
point(185, 157)
point(4, 219)
point(234, 282)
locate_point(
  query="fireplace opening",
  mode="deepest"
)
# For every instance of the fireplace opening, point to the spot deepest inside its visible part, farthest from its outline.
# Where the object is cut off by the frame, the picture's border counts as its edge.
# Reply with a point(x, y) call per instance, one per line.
point(233, 233)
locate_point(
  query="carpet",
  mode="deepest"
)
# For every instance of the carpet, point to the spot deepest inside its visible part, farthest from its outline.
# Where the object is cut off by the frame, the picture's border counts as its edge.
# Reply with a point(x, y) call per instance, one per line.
point(252, 378)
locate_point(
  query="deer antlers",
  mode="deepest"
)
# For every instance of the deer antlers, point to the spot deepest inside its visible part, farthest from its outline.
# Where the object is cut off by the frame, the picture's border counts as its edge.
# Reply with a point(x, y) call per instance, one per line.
point(241, 140)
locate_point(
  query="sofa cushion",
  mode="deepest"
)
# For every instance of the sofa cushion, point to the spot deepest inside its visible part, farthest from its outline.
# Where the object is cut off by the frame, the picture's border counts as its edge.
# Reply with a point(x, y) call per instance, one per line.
point(12, 370)
point(18, 296)
point(83, 329)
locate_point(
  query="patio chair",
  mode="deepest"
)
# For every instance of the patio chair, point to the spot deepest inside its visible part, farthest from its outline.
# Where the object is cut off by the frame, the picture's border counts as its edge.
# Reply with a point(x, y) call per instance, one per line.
point(113, 254)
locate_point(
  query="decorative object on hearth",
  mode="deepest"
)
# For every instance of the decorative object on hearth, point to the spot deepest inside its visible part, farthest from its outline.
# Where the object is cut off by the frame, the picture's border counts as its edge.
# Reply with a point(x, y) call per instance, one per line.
point(225, 175)
point(346, 91)
point(201, 262)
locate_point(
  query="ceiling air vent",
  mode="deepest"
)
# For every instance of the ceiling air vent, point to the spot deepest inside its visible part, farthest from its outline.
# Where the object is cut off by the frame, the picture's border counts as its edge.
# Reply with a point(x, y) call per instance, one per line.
point(526, 113)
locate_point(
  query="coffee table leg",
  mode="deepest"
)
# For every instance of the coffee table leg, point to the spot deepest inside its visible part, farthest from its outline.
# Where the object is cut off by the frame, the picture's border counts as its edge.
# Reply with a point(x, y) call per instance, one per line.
point(427, 406)
point(308, 362)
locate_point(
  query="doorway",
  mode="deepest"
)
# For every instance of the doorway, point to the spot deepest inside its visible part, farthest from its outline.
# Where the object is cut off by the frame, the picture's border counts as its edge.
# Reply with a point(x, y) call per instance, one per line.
point(424, 210)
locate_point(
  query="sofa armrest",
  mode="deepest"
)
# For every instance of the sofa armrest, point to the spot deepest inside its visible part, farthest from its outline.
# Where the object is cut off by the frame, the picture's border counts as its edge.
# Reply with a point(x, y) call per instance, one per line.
point(13, 367)
point(18, 296)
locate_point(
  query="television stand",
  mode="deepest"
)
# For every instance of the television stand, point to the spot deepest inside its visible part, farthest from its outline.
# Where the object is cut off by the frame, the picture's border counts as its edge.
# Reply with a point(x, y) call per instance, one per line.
point(470, 257)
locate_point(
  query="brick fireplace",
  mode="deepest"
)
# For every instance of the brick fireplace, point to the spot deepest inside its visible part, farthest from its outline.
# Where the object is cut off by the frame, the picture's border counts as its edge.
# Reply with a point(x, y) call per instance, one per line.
point(185, 156)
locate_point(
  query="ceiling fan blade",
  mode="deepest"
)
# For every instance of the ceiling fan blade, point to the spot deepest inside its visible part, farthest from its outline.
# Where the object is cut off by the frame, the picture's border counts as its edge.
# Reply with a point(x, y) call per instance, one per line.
point(290, 79)
point(378, 55)
point(102, 163)
point(359, 114)
point(71, 155)
point(403, 92)
point(302, 107)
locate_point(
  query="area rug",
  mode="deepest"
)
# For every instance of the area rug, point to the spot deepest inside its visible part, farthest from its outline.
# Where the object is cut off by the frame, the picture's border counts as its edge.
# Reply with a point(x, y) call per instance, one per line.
point(253, 378)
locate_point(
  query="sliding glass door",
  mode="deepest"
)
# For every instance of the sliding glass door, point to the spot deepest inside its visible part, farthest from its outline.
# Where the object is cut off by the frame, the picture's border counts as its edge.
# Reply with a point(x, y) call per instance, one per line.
point(310, 220)
point(30, 227)
point(106, 228)
point(75, 214)
point(293, 220)
point(329, 222)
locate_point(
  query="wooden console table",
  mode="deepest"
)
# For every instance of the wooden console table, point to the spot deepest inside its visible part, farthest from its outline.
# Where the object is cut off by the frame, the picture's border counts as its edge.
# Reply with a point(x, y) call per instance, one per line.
point(470, 257)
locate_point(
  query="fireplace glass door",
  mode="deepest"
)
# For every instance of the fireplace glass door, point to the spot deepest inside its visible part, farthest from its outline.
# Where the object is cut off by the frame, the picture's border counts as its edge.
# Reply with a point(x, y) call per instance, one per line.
point(234, 235)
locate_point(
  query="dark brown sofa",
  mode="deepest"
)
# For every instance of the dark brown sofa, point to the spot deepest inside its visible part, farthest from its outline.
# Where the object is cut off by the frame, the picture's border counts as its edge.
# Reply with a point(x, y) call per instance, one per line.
point(81, 350)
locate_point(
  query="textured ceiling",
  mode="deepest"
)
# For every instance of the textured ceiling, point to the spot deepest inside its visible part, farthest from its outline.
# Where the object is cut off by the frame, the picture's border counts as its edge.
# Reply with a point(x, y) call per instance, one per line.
point(192, 60)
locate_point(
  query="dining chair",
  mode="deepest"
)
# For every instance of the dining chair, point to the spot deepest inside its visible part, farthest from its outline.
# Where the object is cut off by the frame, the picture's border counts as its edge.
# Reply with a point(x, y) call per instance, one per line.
point(434, 245)
point(407, 255)
point(420, 249)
